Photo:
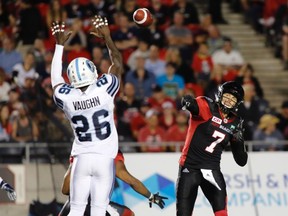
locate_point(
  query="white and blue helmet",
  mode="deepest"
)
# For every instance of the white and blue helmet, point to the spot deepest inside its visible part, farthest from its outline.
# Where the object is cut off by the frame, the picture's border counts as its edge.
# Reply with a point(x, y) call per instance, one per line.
point(81, 72)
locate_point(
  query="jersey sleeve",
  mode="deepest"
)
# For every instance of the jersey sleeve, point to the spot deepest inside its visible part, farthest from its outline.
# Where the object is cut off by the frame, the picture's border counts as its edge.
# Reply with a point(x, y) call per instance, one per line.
point(204, 109)
point(60, 94)
point(113, 84)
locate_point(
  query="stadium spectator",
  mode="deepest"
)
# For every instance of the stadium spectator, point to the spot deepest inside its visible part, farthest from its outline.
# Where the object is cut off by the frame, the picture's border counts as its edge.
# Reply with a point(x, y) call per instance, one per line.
point(27, 33)
point(153, 63)
point(178, 131)
point(192, 89)
point(78, 39)
point(138, 120)
point(179, 36)
point(267, 131)
point(44, 68)
point(154, 34)
point(250, 110)
point(22, 71)
point(285, 41)
point(228, 60)
point(142, 79)
point(4, 87)
point(206, 21)
point(215, 81)
point(102, 8)
point(104, 66)
point(171, 83)
point(126, 108)
point(4, 123)
point(39, 51)
point(55, 12)
point(158, 97)
point(14, 99)
point(128, 7)
point(214, 8)
point(159, 11)
point(97, 56)
point(283, 119)
point(152, 133)
point(183, 69)
point(24, 128)
point(167, 117)
point(74, 10)
point(188, 9)
point(253, 11)
point(215, 40)
point(9, 57)
point(246, 75)
point(125, 37)
point(202, 65)
point(142, 49)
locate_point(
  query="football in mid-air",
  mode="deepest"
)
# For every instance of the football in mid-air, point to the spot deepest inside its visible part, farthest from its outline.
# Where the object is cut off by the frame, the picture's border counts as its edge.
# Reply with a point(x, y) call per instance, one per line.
point(143, 17)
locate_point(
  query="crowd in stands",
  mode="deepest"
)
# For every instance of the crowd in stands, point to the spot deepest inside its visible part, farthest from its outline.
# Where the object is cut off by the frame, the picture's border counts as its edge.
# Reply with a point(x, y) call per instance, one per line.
point(182, 52)
point(270, 18)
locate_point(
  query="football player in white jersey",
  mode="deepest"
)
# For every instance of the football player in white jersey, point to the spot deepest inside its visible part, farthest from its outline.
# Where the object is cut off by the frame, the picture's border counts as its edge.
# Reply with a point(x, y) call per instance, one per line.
point(88, 104)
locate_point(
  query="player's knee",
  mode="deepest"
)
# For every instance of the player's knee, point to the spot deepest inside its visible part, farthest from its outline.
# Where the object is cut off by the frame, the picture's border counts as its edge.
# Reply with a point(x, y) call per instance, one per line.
point(221, 213)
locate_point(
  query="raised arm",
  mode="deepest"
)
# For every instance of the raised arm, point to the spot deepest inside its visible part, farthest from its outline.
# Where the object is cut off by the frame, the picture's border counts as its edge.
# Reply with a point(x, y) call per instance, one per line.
point(58, 31)
point(101, 30)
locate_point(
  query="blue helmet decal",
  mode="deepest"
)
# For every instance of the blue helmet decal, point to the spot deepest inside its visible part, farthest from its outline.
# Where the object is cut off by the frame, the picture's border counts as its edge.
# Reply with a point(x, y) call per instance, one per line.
point(77, 69)
point(90, 65)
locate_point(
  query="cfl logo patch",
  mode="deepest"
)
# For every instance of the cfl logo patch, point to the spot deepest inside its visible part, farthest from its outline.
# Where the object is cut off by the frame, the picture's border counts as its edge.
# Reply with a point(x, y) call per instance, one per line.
point(217, 120)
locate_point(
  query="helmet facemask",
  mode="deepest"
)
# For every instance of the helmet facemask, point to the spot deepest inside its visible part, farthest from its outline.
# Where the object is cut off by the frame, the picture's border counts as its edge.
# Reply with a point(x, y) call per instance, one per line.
point(234, 89)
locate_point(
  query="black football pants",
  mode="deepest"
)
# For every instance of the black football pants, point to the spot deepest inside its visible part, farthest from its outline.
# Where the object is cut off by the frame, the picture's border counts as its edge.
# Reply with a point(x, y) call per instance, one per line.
point(187, 189)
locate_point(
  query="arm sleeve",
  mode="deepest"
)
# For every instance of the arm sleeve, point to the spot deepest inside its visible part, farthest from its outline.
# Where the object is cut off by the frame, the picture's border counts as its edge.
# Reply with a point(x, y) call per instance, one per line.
point(239, 152)
point(56, 66)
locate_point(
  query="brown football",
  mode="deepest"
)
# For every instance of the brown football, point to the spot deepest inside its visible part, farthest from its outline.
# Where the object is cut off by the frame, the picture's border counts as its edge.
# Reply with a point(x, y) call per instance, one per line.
point(143, 17)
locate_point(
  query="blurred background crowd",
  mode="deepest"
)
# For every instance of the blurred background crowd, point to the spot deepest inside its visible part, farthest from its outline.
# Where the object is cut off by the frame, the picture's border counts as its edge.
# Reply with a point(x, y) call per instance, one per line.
point(182, 52)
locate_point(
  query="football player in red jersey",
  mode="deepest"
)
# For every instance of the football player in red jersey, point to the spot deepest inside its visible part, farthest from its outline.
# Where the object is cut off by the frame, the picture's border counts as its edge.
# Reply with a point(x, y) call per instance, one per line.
point(115, 208)
point(212, 125)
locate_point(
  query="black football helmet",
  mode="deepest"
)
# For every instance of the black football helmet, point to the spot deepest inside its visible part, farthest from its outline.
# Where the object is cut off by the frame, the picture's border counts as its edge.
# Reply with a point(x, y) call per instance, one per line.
point(233, 88)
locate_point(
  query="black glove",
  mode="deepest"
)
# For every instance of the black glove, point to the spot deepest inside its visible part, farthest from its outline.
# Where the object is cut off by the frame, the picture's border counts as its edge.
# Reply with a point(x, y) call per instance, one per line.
point(239, 135)
point(186, 102)
point(157, 199)
point(9, 189)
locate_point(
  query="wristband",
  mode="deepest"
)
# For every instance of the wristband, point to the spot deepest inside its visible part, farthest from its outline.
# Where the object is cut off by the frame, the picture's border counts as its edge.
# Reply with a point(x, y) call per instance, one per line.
point(151, 196)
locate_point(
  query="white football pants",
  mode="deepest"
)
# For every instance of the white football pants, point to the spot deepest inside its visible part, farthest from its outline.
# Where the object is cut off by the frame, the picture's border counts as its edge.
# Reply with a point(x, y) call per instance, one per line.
point(91, 174)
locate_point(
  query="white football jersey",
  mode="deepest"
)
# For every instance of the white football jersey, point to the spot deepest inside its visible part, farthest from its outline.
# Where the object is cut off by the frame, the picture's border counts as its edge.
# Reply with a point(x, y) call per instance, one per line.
point(91, 115)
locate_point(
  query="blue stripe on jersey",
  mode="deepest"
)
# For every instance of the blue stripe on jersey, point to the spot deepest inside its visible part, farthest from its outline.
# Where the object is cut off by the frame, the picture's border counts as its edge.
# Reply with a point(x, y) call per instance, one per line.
point(59, 102)
point(77, 69)
point(116, 87)
point(111, 87)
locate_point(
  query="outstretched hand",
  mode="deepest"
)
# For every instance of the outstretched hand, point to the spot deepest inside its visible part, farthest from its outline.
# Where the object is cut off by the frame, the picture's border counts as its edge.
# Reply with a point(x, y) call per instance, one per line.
point(239, 132)
point(58, 31)
point(101, 28)
point(9, 190)
point(157, 199)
